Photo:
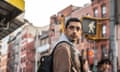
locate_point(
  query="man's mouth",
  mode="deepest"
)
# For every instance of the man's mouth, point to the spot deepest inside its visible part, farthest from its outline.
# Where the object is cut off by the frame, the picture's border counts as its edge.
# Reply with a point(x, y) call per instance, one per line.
point(73, 36)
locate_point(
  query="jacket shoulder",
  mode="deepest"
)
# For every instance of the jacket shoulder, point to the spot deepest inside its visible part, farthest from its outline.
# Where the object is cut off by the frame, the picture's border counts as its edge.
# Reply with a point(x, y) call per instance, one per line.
point(63, 45)
point(62, 54)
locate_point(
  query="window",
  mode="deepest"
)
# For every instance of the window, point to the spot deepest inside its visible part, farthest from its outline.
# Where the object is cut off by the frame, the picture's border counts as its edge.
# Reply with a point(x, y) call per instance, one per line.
point(41, 43)
point(88, 14)
point(104, 31)
point(23, 59)
point(46, 40)
point(52, 32)
point(0, 46)
point(104, 51)
point(0, 53)
point(23, 49)
point(95, 12)
point(20, 69)
point(103, 9)
point(24, 69)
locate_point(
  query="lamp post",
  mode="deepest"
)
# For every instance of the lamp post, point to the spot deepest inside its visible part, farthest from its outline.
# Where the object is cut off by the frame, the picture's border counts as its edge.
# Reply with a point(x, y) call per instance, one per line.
point(36, 46)
point(112, 35)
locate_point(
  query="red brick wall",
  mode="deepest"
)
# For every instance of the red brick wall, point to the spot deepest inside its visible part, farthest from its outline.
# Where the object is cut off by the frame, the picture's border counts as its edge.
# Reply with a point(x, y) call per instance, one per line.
point(82, 12)
point(30, 53)
point(98, 5)
point(118, 42)
point(66, 11)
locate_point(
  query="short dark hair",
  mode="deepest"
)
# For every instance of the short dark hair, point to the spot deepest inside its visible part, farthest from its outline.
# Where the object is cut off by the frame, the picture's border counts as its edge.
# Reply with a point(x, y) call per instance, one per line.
point(104, 61)
point(72, 20)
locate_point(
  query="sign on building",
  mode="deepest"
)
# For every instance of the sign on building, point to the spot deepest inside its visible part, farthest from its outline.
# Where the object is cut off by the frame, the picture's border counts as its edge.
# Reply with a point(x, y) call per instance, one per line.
point(89, 26)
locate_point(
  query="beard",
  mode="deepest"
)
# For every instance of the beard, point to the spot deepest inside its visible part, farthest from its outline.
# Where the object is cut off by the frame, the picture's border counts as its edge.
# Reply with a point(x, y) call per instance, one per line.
point(74, 38)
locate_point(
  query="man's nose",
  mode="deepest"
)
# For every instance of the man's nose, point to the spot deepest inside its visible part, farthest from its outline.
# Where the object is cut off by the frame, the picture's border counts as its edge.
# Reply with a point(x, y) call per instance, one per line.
point(75, 30)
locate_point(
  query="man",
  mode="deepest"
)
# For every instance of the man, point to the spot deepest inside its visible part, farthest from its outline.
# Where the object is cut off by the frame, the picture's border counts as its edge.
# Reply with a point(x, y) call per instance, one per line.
point(85, 66)
point(104, 66)
point(62, 61)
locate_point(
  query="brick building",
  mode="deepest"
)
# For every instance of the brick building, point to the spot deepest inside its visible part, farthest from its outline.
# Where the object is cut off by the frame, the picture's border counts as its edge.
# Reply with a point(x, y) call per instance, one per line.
point(13, 50)
point(83, 11)
point(3, 64)
point(117, 29)
point(98, 9)
point(27, 49)
point(13, 54)
point(3, 54)
point(21, 50)
point(118, 42)
point(103, 7)
point(54, 30)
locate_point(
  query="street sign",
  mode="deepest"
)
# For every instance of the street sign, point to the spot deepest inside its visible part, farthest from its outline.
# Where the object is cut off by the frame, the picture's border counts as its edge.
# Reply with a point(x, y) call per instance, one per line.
point(92, 27)
point(89, 26)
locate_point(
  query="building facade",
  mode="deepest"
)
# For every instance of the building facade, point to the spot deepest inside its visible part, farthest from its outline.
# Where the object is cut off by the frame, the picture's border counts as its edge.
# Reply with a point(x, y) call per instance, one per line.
point(27, 49)
point(41, 43)
point(13, 54)
point(3, 64)
point(3, 54)
point(13, 50)
point(117, 29)
point(98, 9)
point(21, 49)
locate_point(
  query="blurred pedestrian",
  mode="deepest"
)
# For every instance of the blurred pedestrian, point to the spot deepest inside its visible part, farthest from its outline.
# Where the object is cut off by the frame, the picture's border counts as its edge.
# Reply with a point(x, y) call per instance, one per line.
point(85, 66)
point(104, 66)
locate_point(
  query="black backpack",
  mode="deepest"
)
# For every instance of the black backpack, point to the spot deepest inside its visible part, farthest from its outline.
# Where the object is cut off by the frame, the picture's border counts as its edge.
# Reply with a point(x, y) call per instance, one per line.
point(46, 62)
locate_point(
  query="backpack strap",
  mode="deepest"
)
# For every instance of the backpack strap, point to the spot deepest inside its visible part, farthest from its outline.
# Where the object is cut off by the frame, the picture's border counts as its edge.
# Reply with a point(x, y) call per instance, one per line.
point(58, 44)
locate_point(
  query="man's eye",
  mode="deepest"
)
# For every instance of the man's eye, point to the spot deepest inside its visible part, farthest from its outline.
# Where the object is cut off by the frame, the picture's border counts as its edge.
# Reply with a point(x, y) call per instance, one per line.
point(78, 28)
point(71, 27)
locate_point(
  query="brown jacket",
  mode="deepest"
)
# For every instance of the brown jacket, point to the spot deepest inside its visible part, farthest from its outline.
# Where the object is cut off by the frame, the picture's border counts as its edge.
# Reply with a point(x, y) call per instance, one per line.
point(62, 59)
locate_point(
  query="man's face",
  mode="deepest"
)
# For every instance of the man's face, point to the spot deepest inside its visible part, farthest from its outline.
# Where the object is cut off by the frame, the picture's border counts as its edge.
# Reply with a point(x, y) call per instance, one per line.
point(73, 31)
point(106, 67)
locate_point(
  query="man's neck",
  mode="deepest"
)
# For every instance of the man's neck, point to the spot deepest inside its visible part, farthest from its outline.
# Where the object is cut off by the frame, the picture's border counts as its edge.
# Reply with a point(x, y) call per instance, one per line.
point(75, 41)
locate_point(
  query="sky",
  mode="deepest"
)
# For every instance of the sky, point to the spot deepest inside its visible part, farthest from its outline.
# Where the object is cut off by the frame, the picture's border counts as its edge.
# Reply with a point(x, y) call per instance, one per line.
point(38, 12)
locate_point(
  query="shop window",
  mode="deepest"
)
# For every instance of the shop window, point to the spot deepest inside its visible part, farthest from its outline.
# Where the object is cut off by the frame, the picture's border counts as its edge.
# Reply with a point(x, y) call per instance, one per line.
point(104, 51)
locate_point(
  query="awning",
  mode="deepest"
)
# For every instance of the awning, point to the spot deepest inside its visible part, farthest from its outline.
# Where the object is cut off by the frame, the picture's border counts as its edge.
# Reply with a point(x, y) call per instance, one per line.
point(14, 24)
point(20, 4)
point(8, 11)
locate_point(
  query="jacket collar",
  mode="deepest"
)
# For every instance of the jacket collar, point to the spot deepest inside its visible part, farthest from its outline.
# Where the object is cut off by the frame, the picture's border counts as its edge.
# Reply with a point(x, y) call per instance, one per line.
point(64, 38)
